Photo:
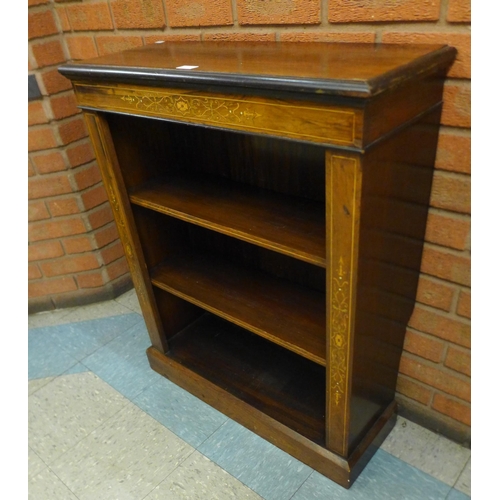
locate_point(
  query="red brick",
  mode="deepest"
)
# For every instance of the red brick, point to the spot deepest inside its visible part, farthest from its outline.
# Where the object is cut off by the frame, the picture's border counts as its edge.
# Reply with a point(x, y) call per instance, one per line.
point(62, 14)
point(112, 252)
point(441, 326)
point(461, 41)
point(447, 230)
point(41, 138)
point(37, 211)
point(34, 272)
point(63, 206)
point(340, 11)
point(40, 24)
point(36, 113)
point(90, 280)
point(446, 265)
point(87, 176)
point(457, 105)
point(31, 170)
point(56, 229)
point(69, 265)
point(451, 191)
point(79, 244)
point(48, 53)
point(117, 269)
point(54, 82)
point(94, 196)
point(452, 408)
point(459, 11)
point(90, 17)
point(424, 346)
point(50, 162)
point(49, 287)
point(199, 13)
point(434, 293)
point(64, 106)
point(346, 37)
point(278, 12)
point(111, 44)
point(100, 216)
point(32, 3)
point(239, 37)
point(106, 235)
point(80, 154)
point(454, 153)
point(45, 250)
point(413, 390)
point(44, 186)
point(458, 360)
point(81, 47)
point(433, 376)
point(73, 130)
point(138, 14)
point(464, 304)
point(171, 38)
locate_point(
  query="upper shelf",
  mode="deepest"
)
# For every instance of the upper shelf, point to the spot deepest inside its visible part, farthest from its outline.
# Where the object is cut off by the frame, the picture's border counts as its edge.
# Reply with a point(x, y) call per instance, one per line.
point(309, 68)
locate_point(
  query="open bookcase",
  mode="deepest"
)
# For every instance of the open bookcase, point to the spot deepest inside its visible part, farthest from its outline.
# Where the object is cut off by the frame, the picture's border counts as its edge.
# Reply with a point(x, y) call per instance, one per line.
point(272, 205)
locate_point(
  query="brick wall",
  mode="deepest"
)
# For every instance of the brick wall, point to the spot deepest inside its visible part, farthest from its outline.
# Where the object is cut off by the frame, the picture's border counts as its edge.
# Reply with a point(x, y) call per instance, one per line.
point(73, 241)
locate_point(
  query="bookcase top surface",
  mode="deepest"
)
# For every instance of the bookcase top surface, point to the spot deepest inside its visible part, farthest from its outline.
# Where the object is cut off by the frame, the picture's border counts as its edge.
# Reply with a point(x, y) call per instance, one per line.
point(359, 70)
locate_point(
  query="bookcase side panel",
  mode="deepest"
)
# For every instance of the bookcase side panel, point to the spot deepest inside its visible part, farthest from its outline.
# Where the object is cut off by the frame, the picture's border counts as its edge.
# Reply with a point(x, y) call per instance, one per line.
point(397, 180)
point(112, 179)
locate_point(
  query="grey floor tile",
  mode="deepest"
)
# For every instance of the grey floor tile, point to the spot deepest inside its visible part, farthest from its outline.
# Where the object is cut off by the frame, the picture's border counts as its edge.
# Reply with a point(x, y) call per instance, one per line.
point(188, 417)
point(45, 358)
point(124, 459)
point(267, 470)
point(384, 478)
point(123, 363)
point(198, 478)
point(47, 486)
point(47, 318)
point(457, 495)
point(35, 463)
point(95, 311)
point(82, 338)
point(463, 483)
point(38, 383)
point(429, 452)
point(78, 368)
point(129, 300)
point(66, 410)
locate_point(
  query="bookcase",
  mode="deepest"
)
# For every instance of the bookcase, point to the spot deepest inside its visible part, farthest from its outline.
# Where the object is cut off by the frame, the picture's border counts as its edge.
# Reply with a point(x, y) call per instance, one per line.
point(272, 202)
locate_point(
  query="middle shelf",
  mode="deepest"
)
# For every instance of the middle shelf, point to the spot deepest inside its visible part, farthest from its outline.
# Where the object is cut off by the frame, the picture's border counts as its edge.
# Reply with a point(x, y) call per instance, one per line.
point(279, 310)
point(287, 224)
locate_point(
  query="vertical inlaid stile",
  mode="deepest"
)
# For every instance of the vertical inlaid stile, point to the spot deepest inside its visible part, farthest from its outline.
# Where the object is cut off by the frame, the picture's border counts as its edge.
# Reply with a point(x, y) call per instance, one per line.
point(343, 196)
point(117, 195)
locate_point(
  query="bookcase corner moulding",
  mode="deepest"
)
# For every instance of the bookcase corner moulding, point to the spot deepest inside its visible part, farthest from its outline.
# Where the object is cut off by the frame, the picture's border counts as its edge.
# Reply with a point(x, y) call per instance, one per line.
point(272, 203)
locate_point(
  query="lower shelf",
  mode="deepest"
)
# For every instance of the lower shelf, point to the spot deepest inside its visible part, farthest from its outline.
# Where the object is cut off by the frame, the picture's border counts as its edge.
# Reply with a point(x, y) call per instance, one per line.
point(277, 382)
point(266, 393)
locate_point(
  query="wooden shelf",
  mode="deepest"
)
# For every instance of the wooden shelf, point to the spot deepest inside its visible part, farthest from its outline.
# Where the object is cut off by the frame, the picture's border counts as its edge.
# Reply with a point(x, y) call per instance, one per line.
point(278, 310)
point(284, 386)
point(287, 224)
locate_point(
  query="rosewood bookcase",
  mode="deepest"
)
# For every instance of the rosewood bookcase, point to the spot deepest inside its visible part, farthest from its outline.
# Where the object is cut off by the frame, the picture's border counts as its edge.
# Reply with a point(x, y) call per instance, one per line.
point(272, 202)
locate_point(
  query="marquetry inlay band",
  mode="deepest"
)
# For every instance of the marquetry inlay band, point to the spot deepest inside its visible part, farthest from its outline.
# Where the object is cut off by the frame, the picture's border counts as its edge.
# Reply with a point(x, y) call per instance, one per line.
point(293, 119)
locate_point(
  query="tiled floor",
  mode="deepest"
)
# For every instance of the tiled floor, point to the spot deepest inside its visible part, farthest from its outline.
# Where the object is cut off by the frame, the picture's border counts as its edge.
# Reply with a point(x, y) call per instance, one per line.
point(103, 425)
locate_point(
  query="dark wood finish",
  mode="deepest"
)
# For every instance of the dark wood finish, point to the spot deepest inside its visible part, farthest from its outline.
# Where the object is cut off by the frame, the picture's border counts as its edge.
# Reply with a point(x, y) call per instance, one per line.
point(272, 203)
point(363, 70)
point(289, 315)
point(288, 225)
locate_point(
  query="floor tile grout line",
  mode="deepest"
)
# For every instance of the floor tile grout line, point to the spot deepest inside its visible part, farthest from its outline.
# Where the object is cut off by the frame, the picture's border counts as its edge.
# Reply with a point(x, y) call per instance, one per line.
point(175, 468)
point(461, 472)
point(301, 484)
